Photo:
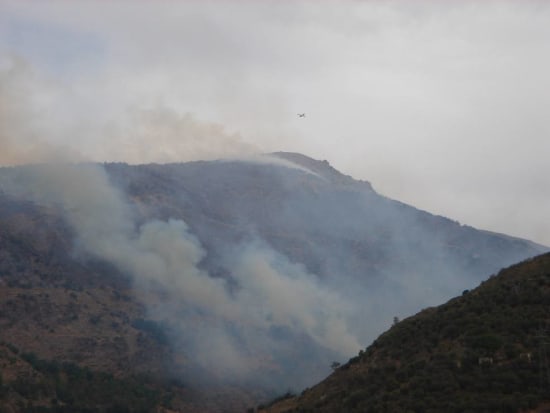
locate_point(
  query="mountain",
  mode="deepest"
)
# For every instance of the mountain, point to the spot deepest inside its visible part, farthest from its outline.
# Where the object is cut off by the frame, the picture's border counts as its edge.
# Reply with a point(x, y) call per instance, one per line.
point(207, 286)
point(484, 351)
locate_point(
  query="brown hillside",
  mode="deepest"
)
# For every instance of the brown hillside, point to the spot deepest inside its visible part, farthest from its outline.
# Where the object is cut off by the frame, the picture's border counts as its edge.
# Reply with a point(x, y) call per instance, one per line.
point(79, 322)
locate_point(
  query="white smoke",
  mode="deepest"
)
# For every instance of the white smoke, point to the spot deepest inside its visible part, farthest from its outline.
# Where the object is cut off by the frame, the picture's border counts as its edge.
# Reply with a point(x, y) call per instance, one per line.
point(282, 293)
point(270, 292)
point(43, 120)
point(162, 135)
point(23, 127)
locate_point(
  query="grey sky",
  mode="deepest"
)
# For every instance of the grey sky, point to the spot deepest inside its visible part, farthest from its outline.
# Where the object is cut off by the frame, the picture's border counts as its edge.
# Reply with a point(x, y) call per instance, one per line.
point(443, 105)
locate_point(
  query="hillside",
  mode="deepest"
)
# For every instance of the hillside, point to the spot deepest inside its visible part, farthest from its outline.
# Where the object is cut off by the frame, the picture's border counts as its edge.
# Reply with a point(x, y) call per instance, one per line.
point(218, 284)
point(485, 351)
point(75, 336)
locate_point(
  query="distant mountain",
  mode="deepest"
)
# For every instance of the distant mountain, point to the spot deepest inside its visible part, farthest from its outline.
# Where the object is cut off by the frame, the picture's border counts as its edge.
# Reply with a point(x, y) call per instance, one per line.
point(220, 282)
point(484, 351)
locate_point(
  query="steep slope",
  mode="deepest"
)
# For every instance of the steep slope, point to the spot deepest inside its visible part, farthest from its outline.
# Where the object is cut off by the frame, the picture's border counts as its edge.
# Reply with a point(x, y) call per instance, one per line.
point(76, 336)
point(485, 351)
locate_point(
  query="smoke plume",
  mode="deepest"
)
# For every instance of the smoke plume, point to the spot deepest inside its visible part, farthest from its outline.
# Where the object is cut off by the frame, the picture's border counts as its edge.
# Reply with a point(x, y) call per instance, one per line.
point(42, 120)
point(269, 293)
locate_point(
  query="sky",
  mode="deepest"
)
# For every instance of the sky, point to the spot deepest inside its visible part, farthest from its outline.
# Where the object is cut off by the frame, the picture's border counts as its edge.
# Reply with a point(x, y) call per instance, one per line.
point(442, 105)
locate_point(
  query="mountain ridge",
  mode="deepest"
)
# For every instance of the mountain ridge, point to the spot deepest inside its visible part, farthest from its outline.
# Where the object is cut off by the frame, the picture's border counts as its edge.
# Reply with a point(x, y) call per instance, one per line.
point(323, 168)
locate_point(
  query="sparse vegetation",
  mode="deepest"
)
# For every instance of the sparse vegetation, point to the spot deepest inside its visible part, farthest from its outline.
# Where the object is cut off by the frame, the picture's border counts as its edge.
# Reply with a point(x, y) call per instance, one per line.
point(71, 388)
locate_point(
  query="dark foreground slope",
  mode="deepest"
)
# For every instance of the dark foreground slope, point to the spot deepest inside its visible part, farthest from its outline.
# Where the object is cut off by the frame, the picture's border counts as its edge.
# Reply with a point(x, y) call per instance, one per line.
point(485, 351)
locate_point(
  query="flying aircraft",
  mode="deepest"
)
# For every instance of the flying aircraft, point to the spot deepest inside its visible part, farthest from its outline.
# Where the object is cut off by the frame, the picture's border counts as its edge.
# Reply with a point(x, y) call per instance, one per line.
point(301, 115)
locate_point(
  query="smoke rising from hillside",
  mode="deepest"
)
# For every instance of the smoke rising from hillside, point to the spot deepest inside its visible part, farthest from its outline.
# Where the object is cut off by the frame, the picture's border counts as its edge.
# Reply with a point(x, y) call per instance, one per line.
point(162, 135)
point(267, 318)
point(268, 292)
point(376, 104)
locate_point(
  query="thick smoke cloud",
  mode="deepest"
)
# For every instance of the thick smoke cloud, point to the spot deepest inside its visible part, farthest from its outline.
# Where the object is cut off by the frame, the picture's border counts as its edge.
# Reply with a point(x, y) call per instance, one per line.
point(235, 321)
point(285, 294)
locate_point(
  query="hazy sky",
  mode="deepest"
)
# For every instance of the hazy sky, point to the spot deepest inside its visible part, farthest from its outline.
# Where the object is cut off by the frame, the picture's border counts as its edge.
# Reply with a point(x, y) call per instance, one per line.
point(443, 105)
